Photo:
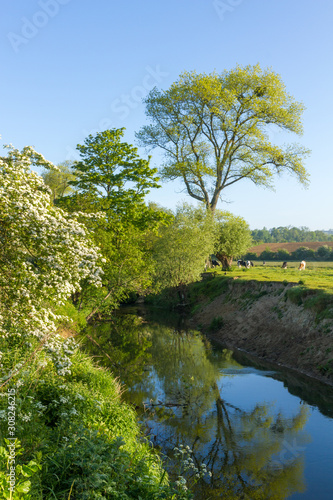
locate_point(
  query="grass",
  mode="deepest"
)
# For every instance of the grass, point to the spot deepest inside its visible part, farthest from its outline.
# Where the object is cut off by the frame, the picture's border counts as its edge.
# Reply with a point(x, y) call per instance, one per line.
point(75, 437)
point(313, 287)
point(317, 275)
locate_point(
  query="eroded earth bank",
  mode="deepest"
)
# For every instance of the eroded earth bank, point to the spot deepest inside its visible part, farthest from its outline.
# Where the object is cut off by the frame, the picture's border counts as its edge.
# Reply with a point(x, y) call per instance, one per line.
point(274, 322)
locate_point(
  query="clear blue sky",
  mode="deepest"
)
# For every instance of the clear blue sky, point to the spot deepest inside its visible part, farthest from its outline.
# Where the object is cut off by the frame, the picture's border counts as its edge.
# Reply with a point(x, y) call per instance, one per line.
point(74, 67)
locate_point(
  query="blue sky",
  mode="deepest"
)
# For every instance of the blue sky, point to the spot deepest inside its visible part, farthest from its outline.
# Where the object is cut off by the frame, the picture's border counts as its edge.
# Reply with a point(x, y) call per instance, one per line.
point(74, 67)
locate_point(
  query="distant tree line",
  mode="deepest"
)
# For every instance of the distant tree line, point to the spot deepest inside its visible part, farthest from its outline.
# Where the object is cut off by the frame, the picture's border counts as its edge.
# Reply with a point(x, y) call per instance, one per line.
point(323, 253)
point(289, 234)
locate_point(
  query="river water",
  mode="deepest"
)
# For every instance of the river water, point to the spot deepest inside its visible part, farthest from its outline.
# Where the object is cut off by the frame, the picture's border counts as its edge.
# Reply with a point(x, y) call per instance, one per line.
point(262, 433)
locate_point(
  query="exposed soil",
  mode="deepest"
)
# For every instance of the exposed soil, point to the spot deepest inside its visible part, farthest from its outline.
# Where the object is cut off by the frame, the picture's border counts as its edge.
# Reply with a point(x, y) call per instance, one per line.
point(290, 247)
point(258, 318)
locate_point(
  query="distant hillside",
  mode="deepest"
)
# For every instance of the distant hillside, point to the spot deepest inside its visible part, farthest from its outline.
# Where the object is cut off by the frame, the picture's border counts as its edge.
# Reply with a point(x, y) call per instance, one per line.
point(290, 247)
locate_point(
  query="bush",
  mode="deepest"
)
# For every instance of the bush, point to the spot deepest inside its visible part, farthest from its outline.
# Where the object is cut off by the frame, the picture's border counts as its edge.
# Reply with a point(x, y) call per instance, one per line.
point(267, 254)
point(303, 253)
point(282, 254)
point(88, 441)
point(323, 252)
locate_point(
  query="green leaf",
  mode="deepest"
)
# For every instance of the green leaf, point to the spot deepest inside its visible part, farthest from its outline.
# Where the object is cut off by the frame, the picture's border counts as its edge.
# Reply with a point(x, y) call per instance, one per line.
point(23, 487)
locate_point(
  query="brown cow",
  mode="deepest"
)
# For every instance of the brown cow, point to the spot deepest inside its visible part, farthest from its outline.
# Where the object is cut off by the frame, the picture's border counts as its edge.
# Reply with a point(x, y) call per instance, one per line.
point(302, 265)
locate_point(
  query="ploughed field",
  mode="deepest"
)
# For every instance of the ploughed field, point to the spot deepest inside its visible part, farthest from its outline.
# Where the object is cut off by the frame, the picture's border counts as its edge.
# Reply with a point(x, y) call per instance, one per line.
point(290, 247)
point(317, 275)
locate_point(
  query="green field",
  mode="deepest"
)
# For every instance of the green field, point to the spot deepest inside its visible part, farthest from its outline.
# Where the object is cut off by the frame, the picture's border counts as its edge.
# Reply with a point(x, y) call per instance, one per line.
point(317, 275)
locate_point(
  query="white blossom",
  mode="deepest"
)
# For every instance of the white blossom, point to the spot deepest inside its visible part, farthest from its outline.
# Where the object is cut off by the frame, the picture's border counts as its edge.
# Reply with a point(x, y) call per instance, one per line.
point(44, 255)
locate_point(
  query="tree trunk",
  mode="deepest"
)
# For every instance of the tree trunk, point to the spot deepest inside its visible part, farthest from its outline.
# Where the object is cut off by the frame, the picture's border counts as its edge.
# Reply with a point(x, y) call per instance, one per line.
point(225, 260)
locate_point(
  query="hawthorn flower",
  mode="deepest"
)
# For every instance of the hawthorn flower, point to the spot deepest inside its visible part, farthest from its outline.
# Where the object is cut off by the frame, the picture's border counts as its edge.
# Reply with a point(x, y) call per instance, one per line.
point(45, 255)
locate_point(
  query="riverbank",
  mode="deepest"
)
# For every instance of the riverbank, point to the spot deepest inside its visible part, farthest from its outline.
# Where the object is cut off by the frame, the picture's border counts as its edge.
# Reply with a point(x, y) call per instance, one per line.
point(280, 322)
point(75, 436)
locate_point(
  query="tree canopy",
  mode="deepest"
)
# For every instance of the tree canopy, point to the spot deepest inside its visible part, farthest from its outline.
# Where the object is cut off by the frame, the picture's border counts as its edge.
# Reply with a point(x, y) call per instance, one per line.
point(111, 179)
point(58, 179)
point(112, 170)
point(233, 237)
point(182, 248)
point(289, 234)
point(214, 130)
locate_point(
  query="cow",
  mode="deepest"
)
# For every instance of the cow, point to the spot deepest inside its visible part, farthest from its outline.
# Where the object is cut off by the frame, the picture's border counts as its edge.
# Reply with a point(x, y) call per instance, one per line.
point(284, 265)
point(215, 263)
point(244, 263)
point(302, 265)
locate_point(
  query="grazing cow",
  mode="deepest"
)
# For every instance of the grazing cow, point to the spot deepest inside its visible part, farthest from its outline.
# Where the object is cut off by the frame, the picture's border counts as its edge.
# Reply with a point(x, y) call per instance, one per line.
point(244, 263)
point(284, 265)
point(302, 265)
point(215, 263)
point(264, 263)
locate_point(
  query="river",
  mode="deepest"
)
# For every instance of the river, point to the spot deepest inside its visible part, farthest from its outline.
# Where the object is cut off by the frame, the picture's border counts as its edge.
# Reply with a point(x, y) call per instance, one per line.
point(263, 433)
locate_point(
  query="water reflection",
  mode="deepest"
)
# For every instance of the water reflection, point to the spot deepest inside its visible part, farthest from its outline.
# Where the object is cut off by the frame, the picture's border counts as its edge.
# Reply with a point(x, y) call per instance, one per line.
point(253, 447)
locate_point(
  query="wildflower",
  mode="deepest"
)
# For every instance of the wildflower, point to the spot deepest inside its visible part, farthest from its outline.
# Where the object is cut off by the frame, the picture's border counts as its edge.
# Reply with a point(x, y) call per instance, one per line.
point(26, 418)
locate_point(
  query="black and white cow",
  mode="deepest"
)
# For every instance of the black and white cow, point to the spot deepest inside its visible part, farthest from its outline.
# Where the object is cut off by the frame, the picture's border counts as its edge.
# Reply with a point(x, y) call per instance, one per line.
point(244, 263)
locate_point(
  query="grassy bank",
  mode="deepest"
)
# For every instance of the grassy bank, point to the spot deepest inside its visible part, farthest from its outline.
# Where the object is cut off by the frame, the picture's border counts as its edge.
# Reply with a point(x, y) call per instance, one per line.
point(313, 288)
point(75, 438)
point(267, 311)
point(317, 275)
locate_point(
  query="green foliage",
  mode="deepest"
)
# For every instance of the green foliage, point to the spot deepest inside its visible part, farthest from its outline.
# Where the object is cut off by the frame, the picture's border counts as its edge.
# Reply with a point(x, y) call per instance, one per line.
point(181, 249)
point(113, 170)
point(207, 290)
point(233, 236)
point(214, 130)
point(57, 179)
point(324, 252)
point(267, 254)
point(288, 234)
point(89, 441)
point(282, 254)
point(302, 253)
point(14, 482)
point(111, 182)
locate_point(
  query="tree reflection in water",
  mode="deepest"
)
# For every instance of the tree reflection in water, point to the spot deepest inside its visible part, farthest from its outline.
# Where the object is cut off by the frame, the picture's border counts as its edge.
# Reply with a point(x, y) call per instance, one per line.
point(252, 453)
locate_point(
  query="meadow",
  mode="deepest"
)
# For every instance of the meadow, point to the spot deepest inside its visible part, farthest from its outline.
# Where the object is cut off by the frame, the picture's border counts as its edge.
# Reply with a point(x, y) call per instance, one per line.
point(317, 275)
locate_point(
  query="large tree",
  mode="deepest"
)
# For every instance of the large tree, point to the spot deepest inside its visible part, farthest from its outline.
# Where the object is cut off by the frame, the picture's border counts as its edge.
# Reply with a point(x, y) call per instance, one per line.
point(233, 237)
point(214, 130)
point(181, 249)
point(113, 180)
point(112, 170)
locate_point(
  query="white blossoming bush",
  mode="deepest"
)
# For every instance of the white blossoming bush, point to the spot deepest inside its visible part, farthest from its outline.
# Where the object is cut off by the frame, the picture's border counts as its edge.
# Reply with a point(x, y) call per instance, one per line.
point(45, 254)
